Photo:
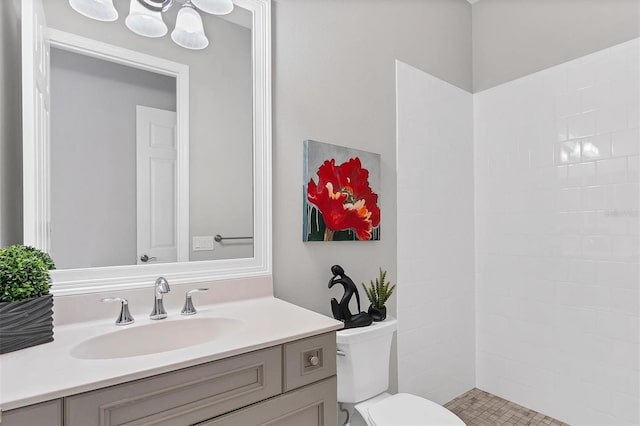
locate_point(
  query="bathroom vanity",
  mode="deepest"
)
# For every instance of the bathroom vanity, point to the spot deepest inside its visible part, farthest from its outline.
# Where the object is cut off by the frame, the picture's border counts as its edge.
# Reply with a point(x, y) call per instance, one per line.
point(276, 364)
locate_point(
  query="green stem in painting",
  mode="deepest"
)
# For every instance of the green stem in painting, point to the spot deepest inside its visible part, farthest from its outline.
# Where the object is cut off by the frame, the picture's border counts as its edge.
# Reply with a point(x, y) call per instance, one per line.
point(328, 234)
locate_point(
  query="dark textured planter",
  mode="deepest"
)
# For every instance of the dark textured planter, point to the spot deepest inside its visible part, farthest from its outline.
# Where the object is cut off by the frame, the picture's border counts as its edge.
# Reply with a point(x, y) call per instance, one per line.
point(26, 323)
point(378, 314)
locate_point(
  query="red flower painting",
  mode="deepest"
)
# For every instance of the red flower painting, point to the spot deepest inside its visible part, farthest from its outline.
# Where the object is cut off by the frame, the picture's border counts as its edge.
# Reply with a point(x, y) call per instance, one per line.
point(345, 199)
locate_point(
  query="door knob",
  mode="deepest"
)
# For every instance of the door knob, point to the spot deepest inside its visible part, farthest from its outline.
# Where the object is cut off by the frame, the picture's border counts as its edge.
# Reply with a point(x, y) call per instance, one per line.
point(144, 258)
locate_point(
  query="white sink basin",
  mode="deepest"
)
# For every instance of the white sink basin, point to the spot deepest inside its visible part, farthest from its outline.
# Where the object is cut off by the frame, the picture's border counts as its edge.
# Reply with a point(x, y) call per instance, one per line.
point(161, 336)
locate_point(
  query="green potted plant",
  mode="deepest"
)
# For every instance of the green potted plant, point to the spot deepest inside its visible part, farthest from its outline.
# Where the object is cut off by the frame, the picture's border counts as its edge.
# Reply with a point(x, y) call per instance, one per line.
point(378, 294)
point(26, 306)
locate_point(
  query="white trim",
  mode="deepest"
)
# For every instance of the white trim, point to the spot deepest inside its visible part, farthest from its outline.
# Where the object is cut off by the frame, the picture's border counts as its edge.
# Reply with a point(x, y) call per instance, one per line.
point(90, 280)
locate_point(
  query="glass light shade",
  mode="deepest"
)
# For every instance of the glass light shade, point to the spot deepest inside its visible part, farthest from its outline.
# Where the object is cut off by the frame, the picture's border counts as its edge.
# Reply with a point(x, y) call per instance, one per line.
point(100, 10)
point(215, 7)
point(145, 22)
point(189, 31)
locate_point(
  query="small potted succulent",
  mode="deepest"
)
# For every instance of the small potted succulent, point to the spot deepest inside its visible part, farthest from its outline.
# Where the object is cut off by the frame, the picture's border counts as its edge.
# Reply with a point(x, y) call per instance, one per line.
point(378, 294)
point(26, 306)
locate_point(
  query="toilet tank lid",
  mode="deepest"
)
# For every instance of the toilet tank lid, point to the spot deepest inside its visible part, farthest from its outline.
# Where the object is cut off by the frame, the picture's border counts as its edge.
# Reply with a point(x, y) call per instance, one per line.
point(372, 331)
point(407, 409)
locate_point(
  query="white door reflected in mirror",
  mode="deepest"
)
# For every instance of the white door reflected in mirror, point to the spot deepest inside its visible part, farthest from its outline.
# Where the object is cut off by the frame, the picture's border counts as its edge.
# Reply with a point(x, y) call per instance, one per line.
point(156, 158)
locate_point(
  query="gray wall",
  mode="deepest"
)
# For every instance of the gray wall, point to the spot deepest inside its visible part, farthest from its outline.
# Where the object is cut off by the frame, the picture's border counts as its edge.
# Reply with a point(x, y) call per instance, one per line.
point(220, 117)
point(514, 38)
point(93, 156)
point(10, 125)
point(334, 82)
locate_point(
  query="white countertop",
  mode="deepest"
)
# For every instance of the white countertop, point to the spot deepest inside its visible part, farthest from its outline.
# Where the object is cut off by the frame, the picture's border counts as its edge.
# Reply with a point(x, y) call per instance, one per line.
point(48, 371)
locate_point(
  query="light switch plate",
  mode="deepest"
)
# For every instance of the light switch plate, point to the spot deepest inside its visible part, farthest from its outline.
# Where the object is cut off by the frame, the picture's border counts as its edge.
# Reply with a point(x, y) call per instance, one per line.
point(203, 243)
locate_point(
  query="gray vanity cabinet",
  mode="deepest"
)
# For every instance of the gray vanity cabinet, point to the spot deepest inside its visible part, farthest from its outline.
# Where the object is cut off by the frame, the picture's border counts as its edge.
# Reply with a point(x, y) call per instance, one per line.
point(289, 384)
point(45, 414)
point(313, 405)
point(184, 396)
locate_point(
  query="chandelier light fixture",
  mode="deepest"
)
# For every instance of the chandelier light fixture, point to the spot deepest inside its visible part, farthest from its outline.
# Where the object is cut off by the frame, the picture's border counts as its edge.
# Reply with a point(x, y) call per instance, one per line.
point(145, 17)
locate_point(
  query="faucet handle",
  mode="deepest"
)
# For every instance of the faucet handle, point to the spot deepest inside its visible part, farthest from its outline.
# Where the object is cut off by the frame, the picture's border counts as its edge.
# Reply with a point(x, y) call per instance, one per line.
point(125, 316)
point(188, 308)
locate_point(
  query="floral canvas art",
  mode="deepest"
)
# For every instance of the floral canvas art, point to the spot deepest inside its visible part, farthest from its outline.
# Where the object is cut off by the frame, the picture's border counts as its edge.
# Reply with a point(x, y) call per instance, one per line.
point(341, 187)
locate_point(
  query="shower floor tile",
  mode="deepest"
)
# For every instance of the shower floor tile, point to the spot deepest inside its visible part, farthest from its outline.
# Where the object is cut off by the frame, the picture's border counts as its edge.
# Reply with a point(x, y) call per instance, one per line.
point(480, 408)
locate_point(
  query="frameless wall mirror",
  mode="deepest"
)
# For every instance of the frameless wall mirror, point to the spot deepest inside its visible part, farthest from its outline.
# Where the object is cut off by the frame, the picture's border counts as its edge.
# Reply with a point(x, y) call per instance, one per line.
point(147, 155)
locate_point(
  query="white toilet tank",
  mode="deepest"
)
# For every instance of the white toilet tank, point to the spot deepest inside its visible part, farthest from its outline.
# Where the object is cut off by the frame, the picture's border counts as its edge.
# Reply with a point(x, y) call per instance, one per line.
point(363, 370)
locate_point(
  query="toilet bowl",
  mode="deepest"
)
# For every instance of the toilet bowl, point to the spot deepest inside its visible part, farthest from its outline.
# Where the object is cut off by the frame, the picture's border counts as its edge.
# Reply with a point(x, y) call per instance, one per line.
point(363, 365)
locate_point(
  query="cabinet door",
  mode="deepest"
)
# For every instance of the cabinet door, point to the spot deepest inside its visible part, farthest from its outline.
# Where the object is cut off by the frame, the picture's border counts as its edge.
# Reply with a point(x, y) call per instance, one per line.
point(313, 405)
point(309, 360)
point(46, 414)
point(182, 397)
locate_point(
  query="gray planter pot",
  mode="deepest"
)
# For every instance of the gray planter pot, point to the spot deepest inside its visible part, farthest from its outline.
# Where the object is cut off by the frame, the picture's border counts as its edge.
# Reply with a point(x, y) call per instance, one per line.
point(26, 323)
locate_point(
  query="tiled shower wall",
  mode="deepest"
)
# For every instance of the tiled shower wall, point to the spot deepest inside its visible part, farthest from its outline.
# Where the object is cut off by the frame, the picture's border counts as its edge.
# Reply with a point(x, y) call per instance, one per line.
point(557, 285)
point(436, 340)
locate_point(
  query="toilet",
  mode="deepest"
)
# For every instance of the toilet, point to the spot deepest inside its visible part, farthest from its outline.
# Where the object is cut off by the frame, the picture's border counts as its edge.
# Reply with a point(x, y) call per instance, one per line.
point(363, 378)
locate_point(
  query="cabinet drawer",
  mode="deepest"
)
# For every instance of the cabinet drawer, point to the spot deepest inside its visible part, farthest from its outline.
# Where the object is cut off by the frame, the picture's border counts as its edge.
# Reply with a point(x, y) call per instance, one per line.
point(184, 396)
point(309, 360)
point(314, 405)
point(46, 414)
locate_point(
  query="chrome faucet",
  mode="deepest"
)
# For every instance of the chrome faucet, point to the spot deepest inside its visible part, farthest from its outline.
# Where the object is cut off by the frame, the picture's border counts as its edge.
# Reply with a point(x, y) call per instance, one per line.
point(188, 308)
point(125, 316)
point(161, 287)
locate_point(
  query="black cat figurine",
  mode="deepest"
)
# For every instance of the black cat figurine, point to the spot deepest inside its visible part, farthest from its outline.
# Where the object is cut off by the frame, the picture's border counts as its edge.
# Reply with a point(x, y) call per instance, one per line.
point(341, 310)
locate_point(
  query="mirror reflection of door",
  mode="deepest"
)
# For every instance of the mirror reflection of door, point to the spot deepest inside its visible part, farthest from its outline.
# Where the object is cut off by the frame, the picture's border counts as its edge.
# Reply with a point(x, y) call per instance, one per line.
point(156, 158)
point(93, 158)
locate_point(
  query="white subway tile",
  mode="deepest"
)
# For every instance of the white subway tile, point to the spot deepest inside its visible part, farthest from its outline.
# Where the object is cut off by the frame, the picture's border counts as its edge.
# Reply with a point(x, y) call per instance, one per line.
point(612, 170)
point(569, 199)
point(595, 97)
point(633, 225)
point(561, 176)
point(562, 132)
point(596, 197)
point(568, 152)
point(626, 408)
point(633, 169)
point(611, 119)
point(599, 399)
point(554, 80)
point(609, 376)
point(597, 297)
point(619, 274)
point(590, 223)
point(633, 117)
point(612, 223)
point(596, 147)
point(596, 247)
point(580, 126)
point(583, 271)
point(571, 246)
point(625, 248)
point(568, 103)
point(569, 294)
point(626, 197)
point(582, 174)
point(626, 142)
point(579, 76)
point(541, 155)
point(569, 223)
point(591, 416)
